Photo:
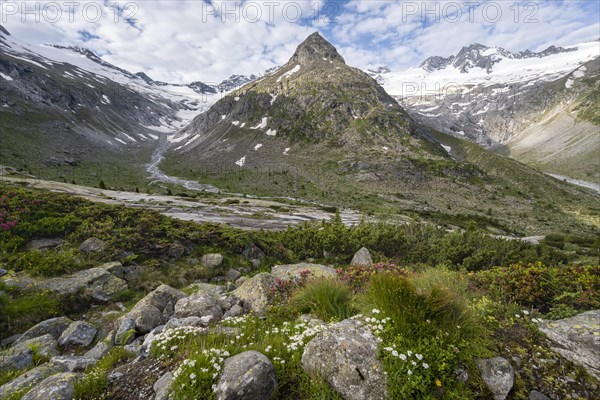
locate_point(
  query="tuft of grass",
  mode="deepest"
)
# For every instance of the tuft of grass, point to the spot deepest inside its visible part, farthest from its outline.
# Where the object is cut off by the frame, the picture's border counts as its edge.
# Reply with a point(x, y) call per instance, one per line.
point(19, 311)
point(328, 299)
point(93, 384)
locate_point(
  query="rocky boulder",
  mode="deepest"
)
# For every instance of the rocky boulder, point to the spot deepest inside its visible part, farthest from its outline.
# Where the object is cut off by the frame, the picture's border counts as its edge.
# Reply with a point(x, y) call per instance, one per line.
point(498, 375)
point(577, 339)
point(20, 356)
point(246, 376)
point(162, 386)
point(97, 283)
point(98, 351)
point(74, 363)
point(295, 271)
point(345, 356)
point(79, 333)
point(52, 326)
point(56, 387)
point(125, 333)
point(92, 245)
point(127, 273)
point(233, 275)
point(362, 257)
point(29, 379)
point(155, 309)
point(256, 292)
point(212, 260)
point(203, 304)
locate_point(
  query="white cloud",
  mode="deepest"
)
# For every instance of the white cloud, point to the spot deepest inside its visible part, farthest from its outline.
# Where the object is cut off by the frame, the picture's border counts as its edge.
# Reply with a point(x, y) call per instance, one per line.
point(187, 40)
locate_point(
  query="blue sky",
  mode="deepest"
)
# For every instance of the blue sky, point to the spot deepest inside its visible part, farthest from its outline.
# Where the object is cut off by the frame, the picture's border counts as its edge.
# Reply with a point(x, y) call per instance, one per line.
point(183, 41)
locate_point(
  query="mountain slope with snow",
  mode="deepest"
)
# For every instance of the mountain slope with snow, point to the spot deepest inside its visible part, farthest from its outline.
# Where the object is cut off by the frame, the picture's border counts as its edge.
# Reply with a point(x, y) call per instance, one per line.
point(491, 96)
point(65, 107)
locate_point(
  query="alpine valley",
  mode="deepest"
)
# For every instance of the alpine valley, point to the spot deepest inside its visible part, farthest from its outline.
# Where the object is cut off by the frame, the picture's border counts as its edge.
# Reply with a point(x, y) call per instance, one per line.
point(319, 130)
point(311, 232)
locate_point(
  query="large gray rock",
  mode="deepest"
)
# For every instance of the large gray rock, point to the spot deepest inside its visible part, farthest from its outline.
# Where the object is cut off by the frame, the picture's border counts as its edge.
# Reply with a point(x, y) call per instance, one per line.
point(52, 326)
point(188, 321)
point(127, 273)
point(256, 292)
point(74, 363)
point(56, 387)
point(125, 333)
point(233, 275)
point(345, 356)
point(362, 257)
point(201, 304)
point(162, 386)
point(98, 351)
point(212, 260)
point(98, 283)
point(20, 356)
point(155, 309)
point(92, 245)
point(294, 271)
point(30, 378)
point(79, 333)
point(577, 339)
point(498, 375)
point(208, 287)
point(246, 376)
point(3, 272)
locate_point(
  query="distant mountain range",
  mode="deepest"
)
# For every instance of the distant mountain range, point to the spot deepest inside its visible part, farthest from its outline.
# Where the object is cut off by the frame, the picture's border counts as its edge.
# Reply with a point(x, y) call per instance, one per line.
point(538, 107)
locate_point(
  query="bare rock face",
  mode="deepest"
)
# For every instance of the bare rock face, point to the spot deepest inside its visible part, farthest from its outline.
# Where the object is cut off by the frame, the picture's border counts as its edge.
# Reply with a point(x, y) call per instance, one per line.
point(294, 271)
point(362, 257)
point(55, 387)
point(92, 245)
point(162, 386)
point(79, 333)
point(20, 356)
point(52, 326)
point(577, 339)
point(203, 304)
point(498, 375)
point(30, 378)
point(212, 260)
point(316, 49)
point(247, 376)
point(345, 355)
point(154, 309)
point(255, 293)
point(98, 283)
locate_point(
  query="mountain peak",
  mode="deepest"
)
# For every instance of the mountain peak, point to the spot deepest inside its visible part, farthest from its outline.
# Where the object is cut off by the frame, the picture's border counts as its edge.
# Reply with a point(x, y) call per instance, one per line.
point(316, 48)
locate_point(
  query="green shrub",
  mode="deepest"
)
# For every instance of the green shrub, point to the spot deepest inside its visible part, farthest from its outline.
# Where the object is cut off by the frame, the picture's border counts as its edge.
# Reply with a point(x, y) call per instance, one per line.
point(327, 299)
point(542, 287)
point(47, 263)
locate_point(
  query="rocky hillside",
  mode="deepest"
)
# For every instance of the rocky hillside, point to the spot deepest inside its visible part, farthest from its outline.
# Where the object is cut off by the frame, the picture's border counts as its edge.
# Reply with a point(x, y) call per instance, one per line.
point(106, 302)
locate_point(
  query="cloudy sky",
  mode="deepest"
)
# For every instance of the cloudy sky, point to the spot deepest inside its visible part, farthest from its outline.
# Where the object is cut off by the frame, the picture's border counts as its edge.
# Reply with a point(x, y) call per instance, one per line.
point(190, 40)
